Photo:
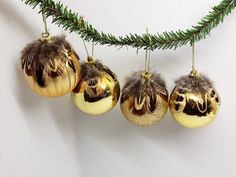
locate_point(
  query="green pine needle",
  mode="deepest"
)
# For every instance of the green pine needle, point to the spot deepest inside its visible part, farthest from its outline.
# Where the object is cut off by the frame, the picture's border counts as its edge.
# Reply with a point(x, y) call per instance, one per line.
point(64, 17)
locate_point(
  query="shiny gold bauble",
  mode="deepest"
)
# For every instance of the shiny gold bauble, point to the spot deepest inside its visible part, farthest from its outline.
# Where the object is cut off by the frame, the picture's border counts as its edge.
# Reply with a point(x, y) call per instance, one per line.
point(194, 101)
point(144, 99)
point(51, 66)
point(98, 90)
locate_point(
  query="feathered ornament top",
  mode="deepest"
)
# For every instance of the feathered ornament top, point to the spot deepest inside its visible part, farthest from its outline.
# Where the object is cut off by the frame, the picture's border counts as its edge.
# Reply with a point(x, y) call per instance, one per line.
point(197, 84)
point(144, 88)
point(92, 71)
point(46, 57)
point(97, 81)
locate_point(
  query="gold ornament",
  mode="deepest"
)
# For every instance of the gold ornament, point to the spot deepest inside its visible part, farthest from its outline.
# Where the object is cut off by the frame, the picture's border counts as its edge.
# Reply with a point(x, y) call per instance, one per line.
point(144, 99)
point(51, 66)
point(194, 101)
point(98, 90)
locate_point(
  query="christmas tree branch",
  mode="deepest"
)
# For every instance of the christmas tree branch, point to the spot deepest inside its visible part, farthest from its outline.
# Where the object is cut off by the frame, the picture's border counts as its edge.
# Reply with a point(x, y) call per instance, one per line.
point(71, 21)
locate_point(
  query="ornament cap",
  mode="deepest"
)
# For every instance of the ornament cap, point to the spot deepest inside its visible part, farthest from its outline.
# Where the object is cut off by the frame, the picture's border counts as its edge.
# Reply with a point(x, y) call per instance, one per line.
point(194, 73)
point(146, 75)
point(45, 36)
point(91, 60)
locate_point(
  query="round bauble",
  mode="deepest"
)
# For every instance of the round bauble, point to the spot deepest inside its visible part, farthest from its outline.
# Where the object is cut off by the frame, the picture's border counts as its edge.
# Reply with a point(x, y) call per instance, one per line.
point(98, 90)
point(144, 99)
point(51, 66)
point(194, 102)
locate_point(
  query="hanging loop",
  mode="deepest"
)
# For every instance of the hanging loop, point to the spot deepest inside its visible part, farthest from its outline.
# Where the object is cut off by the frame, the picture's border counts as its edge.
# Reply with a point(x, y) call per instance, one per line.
point(147, 73)
point(90, 58)
point(147, 61)
point(147, 58)
point(194, 72)
point(45, 34)
point(92, 49)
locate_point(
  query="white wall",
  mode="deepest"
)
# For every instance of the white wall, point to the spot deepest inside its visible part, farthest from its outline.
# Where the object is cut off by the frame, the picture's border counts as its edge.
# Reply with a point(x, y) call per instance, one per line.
point(42, 137)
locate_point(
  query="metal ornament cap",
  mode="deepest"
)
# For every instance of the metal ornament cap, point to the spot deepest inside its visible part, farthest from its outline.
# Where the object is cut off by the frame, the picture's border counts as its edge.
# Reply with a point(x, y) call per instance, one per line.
point(98, 90)
point(51, 67)
point(194, 102)
point(144, 99)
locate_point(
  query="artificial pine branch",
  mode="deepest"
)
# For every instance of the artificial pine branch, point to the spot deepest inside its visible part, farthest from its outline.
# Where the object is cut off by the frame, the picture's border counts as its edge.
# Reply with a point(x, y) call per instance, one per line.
point(64, 17)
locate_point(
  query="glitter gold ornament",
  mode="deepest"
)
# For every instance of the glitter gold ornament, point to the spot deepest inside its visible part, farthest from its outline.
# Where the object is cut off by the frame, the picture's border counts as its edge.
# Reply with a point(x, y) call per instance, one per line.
point(98, 90)
point(194, 101)
point(144, 99)
point(51, 66)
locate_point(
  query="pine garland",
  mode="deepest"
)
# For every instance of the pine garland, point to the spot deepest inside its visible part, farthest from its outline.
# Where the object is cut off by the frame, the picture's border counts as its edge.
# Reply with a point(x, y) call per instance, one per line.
point(64, 17)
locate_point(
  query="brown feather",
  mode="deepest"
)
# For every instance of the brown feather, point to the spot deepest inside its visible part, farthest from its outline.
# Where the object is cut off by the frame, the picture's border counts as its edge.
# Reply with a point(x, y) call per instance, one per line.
point(135, 85)
point(200, 84)
point(43, 58)
point(145, 88)
point(92, 72)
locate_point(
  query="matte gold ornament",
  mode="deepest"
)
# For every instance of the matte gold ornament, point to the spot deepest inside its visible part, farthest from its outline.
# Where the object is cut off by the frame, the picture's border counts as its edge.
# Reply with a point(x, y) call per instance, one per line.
point(98, 90)
point(144, 99)
point(51, 66)
point(194, 101)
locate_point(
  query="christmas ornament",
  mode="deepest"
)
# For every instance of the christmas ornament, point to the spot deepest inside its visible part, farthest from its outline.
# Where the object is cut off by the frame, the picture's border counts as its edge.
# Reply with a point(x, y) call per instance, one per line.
point(144, 99)
point(194, 102)
point(98, 90)
point(50, 65)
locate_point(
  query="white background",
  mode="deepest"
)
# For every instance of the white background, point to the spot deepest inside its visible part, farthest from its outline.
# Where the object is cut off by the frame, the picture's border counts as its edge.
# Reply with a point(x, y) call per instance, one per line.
point(42, 137)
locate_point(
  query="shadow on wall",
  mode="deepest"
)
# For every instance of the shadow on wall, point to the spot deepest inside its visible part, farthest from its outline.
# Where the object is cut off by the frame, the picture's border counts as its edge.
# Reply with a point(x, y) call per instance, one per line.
point(16, 19)
point(78, 130)
point(110, 130)
point(29, 101)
